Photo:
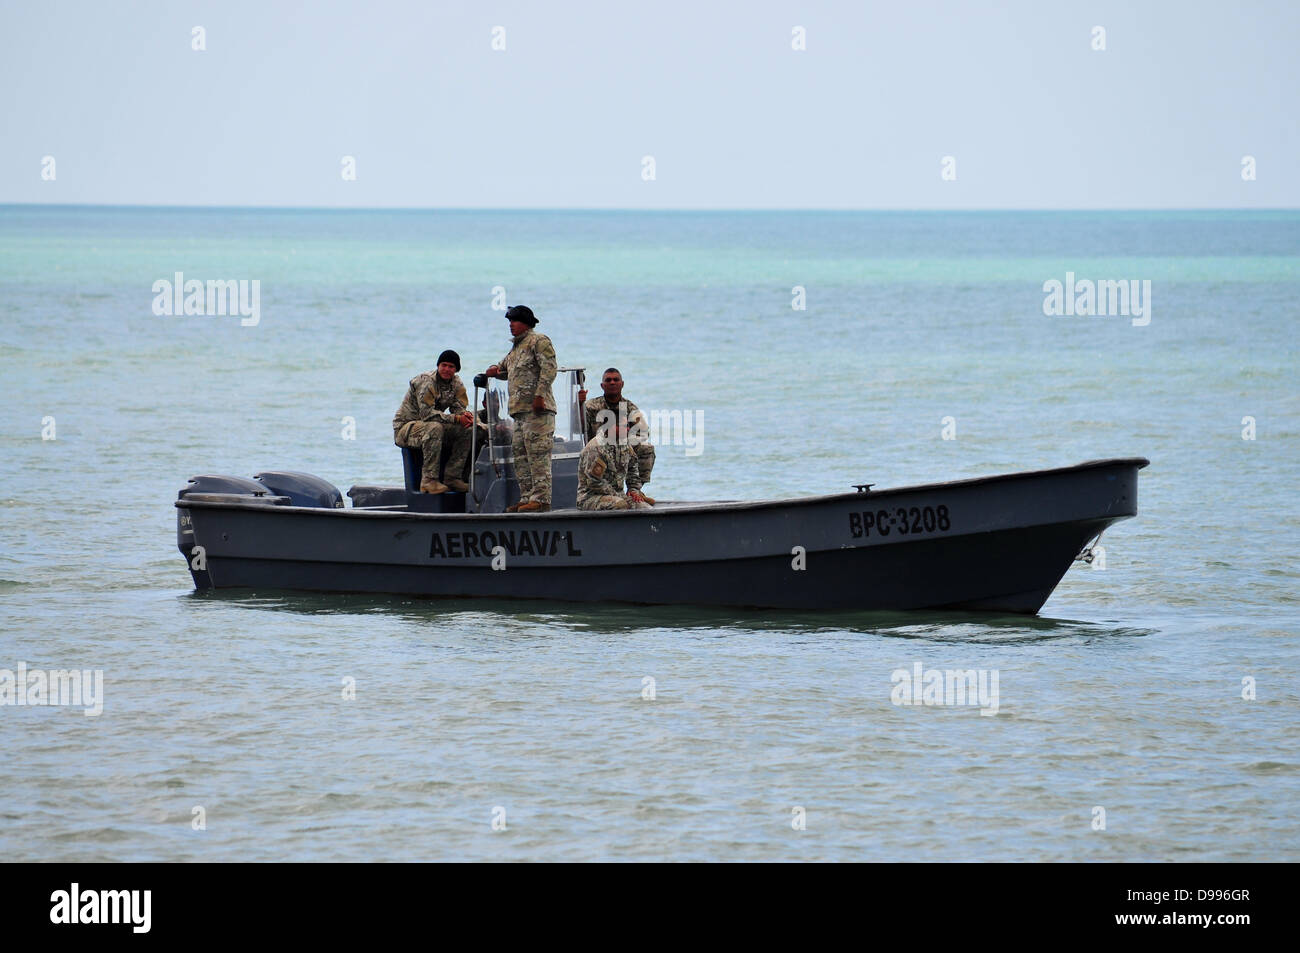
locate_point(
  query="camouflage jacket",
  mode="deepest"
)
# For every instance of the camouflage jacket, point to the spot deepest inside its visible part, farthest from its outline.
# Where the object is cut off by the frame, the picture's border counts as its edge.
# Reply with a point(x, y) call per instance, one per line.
point(604, 468)
point(530, 369)
point(431, 398)
point(591, 412)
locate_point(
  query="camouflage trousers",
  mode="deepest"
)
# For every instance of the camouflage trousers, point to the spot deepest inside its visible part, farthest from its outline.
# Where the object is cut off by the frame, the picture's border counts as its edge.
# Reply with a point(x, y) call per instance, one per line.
point(430, 436)
point(645, 460)
point(532, 443)
point(612, 503)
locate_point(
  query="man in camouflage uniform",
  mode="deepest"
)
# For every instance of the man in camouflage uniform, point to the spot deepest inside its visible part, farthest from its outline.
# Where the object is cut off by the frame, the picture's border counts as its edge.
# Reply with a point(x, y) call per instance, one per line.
point(530, 369)
point(606, 464)
point(616, 408)
point(436, 412)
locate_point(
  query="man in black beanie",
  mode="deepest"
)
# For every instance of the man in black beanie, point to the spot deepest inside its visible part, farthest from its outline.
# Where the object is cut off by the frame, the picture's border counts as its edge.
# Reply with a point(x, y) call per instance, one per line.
point(434, 413)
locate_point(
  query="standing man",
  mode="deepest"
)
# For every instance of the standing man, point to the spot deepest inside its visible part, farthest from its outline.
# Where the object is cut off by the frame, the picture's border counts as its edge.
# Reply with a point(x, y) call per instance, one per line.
point(605, 466)
point(436, 412)
point(611, 382)
point(530, 370)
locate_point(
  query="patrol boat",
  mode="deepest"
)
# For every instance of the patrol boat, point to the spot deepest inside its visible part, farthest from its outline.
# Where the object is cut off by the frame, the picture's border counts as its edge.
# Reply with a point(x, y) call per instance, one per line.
point(996, 543)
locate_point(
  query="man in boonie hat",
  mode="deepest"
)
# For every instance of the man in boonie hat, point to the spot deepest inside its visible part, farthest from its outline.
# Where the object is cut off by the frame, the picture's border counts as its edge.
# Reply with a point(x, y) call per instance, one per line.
point(530, 369)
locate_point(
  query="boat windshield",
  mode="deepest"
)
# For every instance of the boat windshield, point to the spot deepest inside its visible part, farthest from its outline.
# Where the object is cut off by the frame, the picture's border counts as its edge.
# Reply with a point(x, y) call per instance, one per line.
point(568, 412)
point(494, 410)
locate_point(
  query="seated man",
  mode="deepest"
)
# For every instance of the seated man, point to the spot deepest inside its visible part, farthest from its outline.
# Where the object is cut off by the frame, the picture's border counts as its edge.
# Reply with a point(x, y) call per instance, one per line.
point(436, 412)
point(605, 465)
point(614, 407)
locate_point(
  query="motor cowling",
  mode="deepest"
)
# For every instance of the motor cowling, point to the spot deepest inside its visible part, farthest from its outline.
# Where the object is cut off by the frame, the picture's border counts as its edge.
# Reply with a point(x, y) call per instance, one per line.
point(302, 489)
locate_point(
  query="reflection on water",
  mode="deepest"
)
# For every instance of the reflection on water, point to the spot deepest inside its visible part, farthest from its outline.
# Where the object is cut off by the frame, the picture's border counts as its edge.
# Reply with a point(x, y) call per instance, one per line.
point(613, 618)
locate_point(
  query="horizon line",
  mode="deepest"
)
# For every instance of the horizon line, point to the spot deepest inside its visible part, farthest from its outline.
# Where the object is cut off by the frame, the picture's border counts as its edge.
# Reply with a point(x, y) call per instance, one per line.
point(605, 208)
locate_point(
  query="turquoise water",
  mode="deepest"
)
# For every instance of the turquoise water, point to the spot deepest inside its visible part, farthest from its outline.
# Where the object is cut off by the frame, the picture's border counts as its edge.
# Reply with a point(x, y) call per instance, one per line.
point(1126, 693)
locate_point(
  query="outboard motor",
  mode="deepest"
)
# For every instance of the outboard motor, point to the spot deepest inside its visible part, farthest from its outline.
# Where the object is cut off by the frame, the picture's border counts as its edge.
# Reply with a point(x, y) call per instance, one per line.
point(217, 483)
point(302, 489)
point(216, 488)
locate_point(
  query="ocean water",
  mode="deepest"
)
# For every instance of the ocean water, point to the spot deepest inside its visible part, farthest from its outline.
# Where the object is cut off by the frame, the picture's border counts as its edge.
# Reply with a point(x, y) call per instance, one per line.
point(1125, 693)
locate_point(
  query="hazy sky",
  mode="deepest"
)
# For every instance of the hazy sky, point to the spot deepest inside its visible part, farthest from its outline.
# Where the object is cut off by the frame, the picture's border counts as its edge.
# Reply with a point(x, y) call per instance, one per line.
point(1033, 116)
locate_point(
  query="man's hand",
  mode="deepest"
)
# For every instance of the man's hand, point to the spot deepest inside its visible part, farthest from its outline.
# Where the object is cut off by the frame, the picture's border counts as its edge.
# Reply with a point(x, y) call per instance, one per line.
point(539, 404)
point(582, 397)
point(493, 371)
point(636, 495)
point(465, 419)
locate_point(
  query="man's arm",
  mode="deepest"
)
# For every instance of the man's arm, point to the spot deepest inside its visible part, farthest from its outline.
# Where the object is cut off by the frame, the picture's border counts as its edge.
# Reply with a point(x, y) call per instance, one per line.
point(460, 405)
point(594, 473)
point(547, 367)
point(408, 411)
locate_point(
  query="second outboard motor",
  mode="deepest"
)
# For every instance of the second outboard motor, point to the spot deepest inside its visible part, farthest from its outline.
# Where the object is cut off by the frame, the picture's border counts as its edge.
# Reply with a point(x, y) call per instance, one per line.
point(302, 489)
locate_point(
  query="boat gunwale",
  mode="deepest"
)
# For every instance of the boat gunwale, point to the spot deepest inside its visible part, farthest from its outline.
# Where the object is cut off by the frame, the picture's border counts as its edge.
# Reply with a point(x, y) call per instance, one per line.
point(669, 508)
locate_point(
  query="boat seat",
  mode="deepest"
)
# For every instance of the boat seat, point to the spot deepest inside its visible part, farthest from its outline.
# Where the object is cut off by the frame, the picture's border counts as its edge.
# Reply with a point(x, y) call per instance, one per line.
point(413, 465)
point(412, 468)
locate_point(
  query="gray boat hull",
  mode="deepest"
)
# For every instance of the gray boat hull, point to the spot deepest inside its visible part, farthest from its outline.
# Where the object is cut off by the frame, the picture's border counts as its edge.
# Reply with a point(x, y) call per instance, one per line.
point(996, 543)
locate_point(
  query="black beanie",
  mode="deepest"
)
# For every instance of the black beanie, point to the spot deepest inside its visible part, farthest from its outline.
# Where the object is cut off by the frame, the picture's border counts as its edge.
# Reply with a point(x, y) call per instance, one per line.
point(521, 312)
point(451, 357)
